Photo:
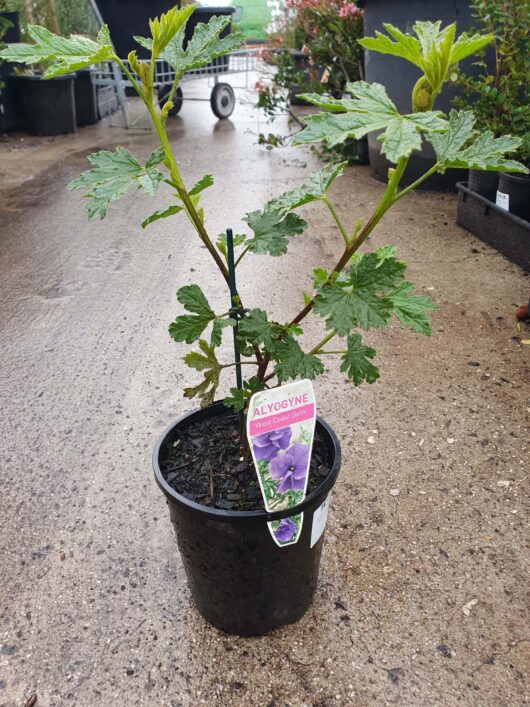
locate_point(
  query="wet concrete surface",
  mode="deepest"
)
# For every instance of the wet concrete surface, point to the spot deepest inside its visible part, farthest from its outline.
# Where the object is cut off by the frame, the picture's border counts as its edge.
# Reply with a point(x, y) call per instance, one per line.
point(422, 597)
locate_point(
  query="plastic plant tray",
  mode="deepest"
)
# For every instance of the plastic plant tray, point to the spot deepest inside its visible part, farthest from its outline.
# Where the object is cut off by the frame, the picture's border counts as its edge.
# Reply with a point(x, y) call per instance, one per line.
point(508, 233)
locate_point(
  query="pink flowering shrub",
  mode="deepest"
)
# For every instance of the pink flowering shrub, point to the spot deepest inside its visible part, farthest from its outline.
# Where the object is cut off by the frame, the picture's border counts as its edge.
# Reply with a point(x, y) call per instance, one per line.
point(328, 31)
point(348, 9)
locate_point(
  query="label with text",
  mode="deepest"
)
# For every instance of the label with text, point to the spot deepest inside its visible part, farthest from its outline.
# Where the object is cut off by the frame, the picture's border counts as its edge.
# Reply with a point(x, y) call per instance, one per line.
point(503, 201)
point(320, 517)
point(280, 430)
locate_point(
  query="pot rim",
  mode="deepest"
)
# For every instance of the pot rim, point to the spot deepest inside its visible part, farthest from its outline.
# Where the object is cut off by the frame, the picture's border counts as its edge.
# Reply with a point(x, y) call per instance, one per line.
point(258, 515)
point(516, 176)
point(38, 77)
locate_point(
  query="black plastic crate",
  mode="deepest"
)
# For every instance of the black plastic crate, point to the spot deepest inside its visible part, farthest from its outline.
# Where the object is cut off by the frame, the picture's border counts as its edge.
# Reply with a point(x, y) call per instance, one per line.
point(508, 233)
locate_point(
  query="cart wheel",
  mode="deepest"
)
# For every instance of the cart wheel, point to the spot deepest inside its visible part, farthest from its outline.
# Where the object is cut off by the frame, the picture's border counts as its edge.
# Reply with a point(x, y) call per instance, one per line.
point(223, 100)
point(178, 99)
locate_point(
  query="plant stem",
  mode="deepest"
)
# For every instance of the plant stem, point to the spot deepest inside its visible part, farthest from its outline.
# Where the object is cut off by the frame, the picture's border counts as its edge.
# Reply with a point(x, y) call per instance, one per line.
point(182, 192)
point(385, 203)
point(240, 257)
point(415, 184)
point(336, 218)
point(176, 179)
point(241, 363)
point(316, 349)
point(131, 78)
point(383, 206)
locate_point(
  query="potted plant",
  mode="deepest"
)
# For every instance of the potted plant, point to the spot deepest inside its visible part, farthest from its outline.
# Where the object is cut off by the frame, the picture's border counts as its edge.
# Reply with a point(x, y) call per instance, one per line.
point(241, 579)
point(500, 95)
point(43, 107)
point(8, 33)
point(323, 56)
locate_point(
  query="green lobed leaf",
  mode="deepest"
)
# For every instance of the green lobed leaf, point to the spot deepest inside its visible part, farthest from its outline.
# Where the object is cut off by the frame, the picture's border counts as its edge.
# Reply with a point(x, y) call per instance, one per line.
point(335, 129)
point(65, 55)
point(157, 215)
point(433, 50)
point(221, 242)
point(436, 50)
point(359, 300)
point(112, 175)
point(188, 327)
point(238, 398)
point(193, 299)
point(217, 330)
point(370, 110)
point(319, 277)
point(356, 361)
point(462, 147)
point(271, 231)
point(294, 363)
point(466, 45)
point(209, 365)
point(164, 28)
point(405, 46)
point(334, 105)
point(412, 310)
point(205, 45)
point(257, 330)
point(313, 189)
point(202, 184)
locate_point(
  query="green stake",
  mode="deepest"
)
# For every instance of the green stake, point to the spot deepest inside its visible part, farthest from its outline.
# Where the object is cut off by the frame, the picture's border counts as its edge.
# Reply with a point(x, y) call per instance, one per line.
point(234, 313)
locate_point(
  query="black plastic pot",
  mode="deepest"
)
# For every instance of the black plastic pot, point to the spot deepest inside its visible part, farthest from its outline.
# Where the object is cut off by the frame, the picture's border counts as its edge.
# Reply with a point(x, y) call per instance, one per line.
point(360, 147)
point(517, 188)
point(240, 580)
point(86, 104)
point(306, 72)
point(399, 77)
point(8, 110)
point(483, 182)
point(45, 107)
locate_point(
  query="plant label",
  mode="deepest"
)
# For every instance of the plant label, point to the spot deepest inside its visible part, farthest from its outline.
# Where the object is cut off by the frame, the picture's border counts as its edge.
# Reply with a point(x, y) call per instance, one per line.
point(320, 517)
point(280, 431)
point(503, 201)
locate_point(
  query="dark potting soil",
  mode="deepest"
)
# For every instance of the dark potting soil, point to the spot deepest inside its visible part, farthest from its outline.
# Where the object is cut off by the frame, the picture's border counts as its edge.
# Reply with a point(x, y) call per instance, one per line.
point(204, 464)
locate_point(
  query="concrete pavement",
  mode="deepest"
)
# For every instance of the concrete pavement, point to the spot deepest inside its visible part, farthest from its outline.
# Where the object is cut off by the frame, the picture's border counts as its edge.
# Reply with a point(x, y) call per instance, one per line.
point(422, 597)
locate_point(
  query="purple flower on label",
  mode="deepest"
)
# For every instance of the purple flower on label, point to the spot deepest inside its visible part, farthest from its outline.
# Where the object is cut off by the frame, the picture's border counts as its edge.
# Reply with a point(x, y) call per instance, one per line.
point(290, 469)
point(285, 531)
point(267, 444)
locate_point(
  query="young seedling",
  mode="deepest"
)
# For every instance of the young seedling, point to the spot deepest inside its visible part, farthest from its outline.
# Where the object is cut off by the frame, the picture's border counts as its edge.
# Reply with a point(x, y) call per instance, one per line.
point(362, 291)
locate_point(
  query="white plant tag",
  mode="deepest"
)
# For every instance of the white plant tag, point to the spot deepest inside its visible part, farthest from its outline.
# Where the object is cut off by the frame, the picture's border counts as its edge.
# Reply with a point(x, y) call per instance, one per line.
point(320, 517)
point(503, 201)
point(280, 431)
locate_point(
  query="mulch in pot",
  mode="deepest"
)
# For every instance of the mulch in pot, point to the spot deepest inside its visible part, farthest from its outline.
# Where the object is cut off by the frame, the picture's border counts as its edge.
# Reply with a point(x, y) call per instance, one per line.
point(205, 457)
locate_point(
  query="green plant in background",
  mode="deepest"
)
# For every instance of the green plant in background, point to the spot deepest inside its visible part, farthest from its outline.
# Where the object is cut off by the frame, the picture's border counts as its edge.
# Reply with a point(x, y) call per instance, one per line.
point(329, 30)
point(362, 291)
point(60, 16)
point(5, 24)
point(316, 50)
point(500, 93)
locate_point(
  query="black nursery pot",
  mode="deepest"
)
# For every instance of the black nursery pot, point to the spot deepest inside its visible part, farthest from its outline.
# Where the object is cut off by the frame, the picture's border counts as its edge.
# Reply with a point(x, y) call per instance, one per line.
point(483, 182)
point(86, 105)
point(240, 580)
point(517, 187)
point(45, 107)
